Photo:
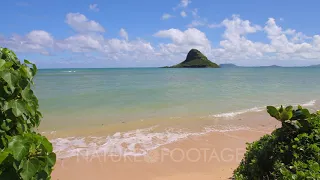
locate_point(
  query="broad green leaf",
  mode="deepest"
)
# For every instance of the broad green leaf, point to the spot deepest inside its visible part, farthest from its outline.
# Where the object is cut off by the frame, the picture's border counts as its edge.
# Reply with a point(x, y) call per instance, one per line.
point(273, 112)
point(27, 62)
point(305, 112)
point(19, 147)
point(34, 69)
point(289, 108)
point(46, 144)
point(3, 155)
point(26, 71)
point(29, 168)
point(51, 159)
point(17, 107)
point(2, 62)
point(286, 115)
point(27, 94)
point(10, 78)
point(280, 109)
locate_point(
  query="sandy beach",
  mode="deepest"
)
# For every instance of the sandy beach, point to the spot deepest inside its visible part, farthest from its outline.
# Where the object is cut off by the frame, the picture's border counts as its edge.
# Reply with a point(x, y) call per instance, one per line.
point(211, 156)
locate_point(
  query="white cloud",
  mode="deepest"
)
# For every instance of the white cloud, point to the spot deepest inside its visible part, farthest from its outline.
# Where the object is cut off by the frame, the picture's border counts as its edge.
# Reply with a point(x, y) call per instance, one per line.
point(183, 14)
point(184, 3)
point(197, 23)
point(37, 41)
point(94, 7)
point(214, 25)
point(40, 37)
point(80, 23)
point(197, 20)
point(235, 45)
point(166, 16)
point(82, 43)
point(195, 13)
point(123, 33)
point(183, 41)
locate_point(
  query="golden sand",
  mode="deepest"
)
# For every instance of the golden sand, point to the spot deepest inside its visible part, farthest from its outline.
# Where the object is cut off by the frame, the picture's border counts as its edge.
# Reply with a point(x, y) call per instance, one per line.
point(211, 156)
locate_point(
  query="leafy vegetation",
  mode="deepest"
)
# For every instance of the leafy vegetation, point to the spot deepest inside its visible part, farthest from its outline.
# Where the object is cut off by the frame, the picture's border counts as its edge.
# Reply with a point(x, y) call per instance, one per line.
point(195, 59)
point(290, 152)
point(24, 154)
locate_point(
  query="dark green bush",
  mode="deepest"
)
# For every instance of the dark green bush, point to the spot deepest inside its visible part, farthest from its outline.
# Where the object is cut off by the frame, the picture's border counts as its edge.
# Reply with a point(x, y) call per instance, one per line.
point(24, 154)
point(290, 152)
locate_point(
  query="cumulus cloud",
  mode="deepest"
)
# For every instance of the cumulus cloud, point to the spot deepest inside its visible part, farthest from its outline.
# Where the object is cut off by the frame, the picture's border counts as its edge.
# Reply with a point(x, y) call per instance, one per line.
point(82, 43)
point(37, 41)
point(123, 33)
point(166, 16)
point(94, 7)
point(184, 3)
point(183, 14)
point(235, 45)
point(80, 23)
point(183, 41)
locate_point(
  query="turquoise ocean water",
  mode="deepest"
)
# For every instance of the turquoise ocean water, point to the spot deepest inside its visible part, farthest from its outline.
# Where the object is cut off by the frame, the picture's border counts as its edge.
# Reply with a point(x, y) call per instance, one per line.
point(88, 99)
point(71, 98)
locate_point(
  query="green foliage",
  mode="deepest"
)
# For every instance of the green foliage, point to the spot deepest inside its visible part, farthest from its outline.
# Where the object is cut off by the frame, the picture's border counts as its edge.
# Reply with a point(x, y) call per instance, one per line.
point(290, 152)
point(24, 154)
point(195, 59)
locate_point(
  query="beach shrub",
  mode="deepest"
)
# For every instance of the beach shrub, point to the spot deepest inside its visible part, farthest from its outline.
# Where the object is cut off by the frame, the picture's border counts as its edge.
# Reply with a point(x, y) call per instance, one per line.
point(290, 152)
point(24, 154)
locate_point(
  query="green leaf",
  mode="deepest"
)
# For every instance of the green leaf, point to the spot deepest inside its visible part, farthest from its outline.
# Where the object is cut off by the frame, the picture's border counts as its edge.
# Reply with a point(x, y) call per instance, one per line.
point(29, 168)
point(289, 108)
point(51, 159)
point(34, 69)
point(281, 109)
point(273, 112)
point(10, 78)
point(299, 107)
point(305, 112)
point(17, 107)
point(286, 115)
point(46, 144)
point(2, 62)
point(19, 147)
point(27, 94)
point(27, 62)
point(3, 155)
point(26, 71)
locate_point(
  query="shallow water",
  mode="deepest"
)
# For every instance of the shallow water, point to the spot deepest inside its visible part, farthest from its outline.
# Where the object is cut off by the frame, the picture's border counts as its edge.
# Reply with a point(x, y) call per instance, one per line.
point(133, 111)
point(73, 98)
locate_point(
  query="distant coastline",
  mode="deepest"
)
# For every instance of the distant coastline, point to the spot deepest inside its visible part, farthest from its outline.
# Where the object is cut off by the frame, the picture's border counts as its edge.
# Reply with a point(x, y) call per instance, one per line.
point(230, 65)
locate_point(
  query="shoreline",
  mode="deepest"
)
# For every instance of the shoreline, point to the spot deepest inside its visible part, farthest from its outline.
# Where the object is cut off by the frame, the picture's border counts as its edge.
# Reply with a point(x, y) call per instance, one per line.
point(121, 141)
point(212, 155)
point(159, 154)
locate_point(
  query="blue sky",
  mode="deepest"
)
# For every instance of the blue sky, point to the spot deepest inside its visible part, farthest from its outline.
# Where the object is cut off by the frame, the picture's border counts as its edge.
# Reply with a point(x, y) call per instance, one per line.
point(141, 33)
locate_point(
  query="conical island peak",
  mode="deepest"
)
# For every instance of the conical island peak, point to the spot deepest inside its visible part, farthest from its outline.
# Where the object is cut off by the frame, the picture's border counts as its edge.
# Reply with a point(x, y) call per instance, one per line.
point(195, 59)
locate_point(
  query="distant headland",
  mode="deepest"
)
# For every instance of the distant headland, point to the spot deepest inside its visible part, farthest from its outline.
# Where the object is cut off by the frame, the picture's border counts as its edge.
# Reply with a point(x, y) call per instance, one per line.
point(195, 59)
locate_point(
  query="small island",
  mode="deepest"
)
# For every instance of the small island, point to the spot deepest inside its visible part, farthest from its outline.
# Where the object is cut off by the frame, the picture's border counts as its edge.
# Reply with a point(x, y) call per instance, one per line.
point(195, 59)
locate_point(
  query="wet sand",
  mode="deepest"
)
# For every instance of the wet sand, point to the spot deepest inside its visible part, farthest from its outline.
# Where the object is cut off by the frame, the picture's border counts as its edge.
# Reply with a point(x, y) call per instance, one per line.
point(211, 156)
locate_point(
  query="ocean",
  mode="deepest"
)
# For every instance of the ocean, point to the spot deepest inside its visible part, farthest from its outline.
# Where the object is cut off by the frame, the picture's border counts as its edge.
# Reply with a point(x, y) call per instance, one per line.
point(131, 105)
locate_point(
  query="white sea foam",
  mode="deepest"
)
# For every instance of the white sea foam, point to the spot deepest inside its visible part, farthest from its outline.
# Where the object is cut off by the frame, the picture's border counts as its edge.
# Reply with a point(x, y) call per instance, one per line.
point(310, 103)
point(233, 114)
point(69, 71)
point(256, 109)
point(132, 143)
